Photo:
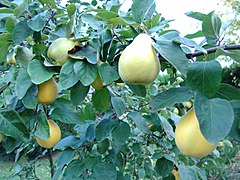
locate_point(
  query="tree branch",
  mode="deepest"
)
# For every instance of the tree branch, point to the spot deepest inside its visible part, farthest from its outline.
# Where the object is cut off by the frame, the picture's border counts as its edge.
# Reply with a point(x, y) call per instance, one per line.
point(214, 49)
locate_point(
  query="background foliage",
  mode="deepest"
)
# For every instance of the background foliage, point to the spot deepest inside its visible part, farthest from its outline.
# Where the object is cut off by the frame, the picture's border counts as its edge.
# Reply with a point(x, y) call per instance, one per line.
point(122, 131)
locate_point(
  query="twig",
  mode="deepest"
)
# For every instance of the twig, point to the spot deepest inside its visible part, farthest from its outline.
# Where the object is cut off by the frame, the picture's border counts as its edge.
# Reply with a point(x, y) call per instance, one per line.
point(116, 35)
point(214, 49)
point(51, 16)
point(4, 87)
point(51, 161)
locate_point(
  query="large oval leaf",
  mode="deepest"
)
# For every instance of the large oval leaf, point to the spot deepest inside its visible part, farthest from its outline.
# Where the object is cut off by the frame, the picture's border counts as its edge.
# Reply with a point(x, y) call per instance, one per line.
point(86, 72)
point(205, 77)
point(170, 97)
point(38, 72)
point(12, 125)
point(215, 117)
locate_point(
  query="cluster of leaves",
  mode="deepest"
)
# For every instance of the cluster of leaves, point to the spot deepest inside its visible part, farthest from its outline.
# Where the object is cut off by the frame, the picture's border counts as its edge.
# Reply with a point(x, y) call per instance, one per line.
point(120, 131)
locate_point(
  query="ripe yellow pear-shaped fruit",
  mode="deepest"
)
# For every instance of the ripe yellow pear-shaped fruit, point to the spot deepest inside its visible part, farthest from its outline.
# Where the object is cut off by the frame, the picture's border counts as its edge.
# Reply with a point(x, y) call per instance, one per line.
point(47, 91)
point(176, 175)
point(97, 83)
point(139, 63)
point(58, 50)
point(1, 137)
point(12, 59)
point(55, 136)
point(189, 138)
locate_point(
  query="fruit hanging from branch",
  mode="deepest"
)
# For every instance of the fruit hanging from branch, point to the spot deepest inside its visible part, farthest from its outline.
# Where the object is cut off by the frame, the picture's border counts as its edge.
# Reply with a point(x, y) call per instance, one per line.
point(58, 50)
point(47, 91)
point(55, 136)
point(189, 138)
point(139, 63)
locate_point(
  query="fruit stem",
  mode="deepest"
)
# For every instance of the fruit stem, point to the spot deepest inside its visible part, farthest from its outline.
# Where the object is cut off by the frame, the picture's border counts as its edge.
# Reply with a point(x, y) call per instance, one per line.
point(51, 161)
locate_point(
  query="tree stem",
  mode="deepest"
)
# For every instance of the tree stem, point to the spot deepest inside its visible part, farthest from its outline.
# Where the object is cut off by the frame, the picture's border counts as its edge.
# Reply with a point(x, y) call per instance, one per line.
point(51, 161)
point(214, 49)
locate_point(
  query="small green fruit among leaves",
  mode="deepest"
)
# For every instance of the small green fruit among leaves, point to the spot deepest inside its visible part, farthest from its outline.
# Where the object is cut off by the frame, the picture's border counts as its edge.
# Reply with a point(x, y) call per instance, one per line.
point(55, 136)
point(58, 50)
point(189, 138)
point(1, 137)
point(47, 91)
point(139, 63)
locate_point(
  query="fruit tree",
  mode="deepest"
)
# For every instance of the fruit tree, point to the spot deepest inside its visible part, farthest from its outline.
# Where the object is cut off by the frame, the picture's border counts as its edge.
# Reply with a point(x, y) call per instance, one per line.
point(115, 92)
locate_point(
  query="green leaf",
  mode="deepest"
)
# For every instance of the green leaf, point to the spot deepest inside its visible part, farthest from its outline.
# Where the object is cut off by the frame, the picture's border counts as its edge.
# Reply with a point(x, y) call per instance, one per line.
point(190, 43)
point(72, 20)
point(143, 10)
point(87, 52)
point(139, 90)
point(22, 78)
point(201, 173)
point(38, 72)
point(10, 24)
point(21, 32)
point(139, 121)
point(69, 141)
point(24, 55)
point(171, 97)
point(186, 172)
point(42, 128)
point(12, 125)
point(215, 117)
point(195, 35)
point(196, 15)
point(106, 15)
point(5, 12)
point(64, 112)
point(30, 100)
point(205, 77)
point(74, 169)
point(37, 22)
point(211, 27)
point(228, 92)
point(102, 146)
point(119, 105)
point(108, 74)
point(23, 7)
point(78, 93)
point(167, 128)
point(5, 40)
point(234, 54)
point(101, 100)
point(65, 158)
point(121, 133)
point(173, 54)
point(105, 171)
point(123, 21)
point(67, 76)
point(235, 131)
point(4, 51)
point(86, 72)
point(104, 128)
point(164, 167)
